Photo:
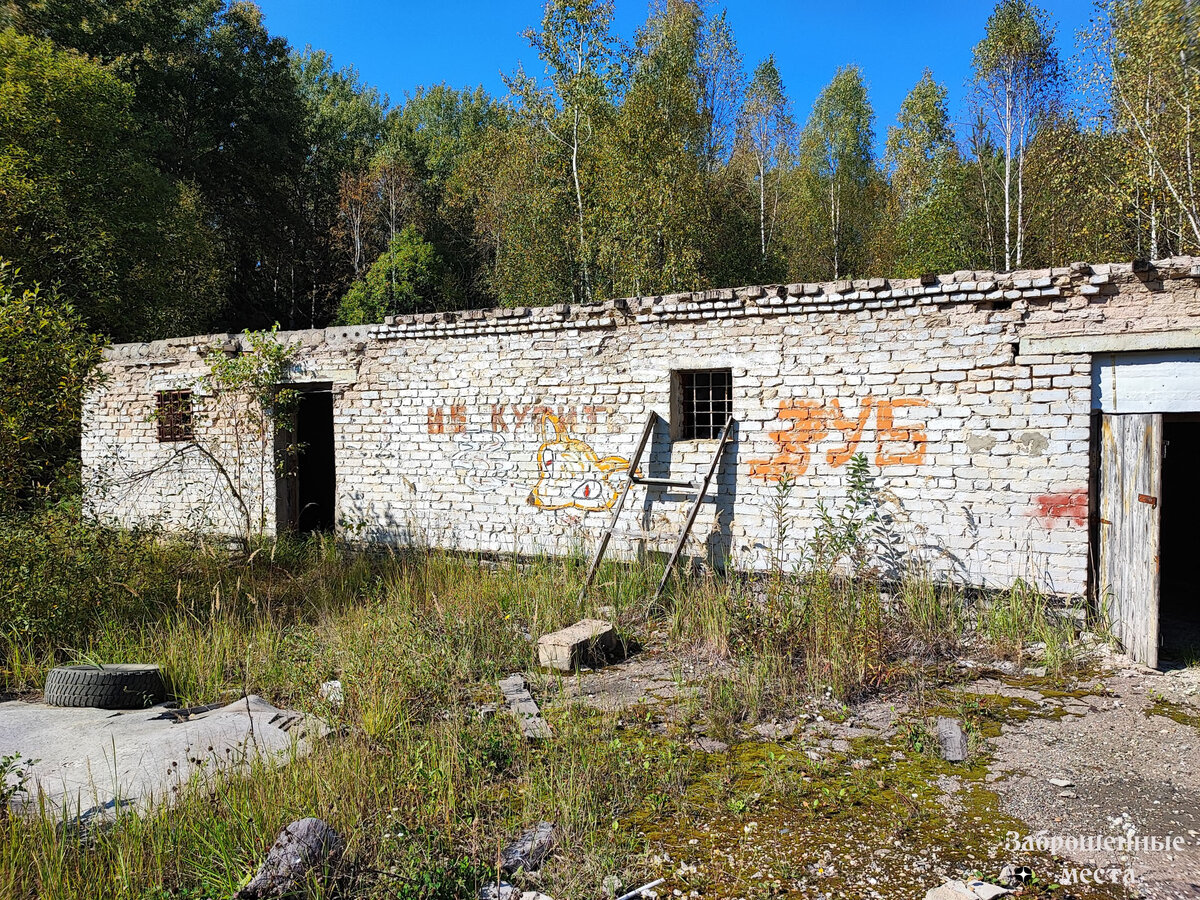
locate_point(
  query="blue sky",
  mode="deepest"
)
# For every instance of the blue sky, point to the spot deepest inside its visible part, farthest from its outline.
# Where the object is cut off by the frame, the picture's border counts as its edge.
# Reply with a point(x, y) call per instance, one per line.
point(399, 45)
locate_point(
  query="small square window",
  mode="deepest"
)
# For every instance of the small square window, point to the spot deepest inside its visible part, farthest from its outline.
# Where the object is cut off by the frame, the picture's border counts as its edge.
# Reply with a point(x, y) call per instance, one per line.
point(174, 416)
point(702, 402)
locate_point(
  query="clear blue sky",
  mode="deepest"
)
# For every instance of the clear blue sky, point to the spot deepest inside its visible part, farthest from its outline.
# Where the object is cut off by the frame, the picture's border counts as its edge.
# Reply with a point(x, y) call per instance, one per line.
point(398, 45)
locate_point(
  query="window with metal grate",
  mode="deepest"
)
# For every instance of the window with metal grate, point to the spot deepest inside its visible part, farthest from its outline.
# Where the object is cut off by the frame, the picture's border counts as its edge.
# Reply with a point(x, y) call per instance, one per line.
point(174, 416)
point(703, 401)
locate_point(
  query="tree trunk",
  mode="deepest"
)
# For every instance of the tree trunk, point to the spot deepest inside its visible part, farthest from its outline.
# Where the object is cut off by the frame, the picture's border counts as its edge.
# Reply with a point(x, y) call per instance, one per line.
point(587, 288)
point(1008, 132)
point(762, 206)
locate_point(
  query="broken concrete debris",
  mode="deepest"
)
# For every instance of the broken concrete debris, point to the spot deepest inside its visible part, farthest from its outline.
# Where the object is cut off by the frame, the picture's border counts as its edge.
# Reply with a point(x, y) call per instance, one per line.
point(505, 891)
point(987, 891)
point(952, 740)
point(589, 641)
point(960, 890)
point(331, 692)
point(305, 849)
point(523, 707)
point(530, 850)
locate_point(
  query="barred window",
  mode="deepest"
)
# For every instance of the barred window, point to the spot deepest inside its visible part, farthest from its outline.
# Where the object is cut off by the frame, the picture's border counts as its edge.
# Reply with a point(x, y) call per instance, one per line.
point(703, 401)
point(174, 416)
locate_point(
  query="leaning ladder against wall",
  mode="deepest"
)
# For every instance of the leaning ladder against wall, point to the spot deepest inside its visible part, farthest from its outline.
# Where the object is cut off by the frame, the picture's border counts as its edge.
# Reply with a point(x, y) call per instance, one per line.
point(699, 488)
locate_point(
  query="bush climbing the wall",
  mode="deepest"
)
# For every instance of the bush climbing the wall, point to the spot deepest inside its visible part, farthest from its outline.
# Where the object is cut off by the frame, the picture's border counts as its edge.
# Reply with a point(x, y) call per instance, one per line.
point(47, 357)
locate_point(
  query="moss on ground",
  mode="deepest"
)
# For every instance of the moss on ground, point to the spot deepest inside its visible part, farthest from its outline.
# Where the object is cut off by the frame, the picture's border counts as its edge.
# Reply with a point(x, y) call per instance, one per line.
point(1176, 712)
point(887, 818)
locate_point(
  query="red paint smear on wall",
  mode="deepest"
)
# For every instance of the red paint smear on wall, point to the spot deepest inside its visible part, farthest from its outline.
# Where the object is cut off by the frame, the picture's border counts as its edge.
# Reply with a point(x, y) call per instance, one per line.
point(1071, 506)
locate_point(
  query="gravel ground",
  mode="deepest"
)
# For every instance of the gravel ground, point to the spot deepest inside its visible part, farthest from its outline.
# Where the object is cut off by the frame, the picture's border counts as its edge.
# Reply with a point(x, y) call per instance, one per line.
point(843, 806)
point(1131, 772)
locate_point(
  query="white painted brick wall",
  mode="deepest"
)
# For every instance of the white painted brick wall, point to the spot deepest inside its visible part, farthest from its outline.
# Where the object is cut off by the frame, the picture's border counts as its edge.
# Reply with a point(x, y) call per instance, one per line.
point(980, 455)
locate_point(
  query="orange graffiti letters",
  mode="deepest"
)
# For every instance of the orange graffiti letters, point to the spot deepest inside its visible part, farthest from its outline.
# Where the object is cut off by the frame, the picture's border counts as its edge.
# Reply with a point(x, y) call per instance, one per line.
point(808, 422)
point(886, 430)
point(448, 420)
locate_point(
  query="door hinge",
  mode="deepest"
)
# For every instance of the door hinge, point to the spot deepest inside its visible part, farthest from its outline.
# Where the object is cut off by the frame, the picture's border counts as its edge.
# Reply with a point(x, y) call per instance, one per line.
point(1146, 498)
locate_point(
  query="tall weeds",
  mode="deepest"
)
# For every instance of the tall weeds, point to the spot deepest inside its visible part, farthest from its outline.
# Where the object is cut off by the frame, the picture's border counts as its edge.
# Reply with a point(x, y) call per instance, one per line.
point(425, 787)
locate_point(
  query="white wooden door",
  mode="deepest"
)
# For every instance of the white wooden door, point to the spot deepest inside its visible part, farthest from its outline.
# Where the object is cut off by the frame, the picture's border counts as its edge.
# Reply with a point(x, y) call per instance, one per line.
point(1130, 492)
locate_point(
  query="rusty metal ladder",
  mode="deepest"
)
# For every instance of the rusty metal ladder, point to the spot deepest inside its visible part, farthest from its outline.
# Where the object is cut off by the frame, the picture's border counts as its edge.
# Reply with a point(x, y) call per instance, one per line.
point(700, 488)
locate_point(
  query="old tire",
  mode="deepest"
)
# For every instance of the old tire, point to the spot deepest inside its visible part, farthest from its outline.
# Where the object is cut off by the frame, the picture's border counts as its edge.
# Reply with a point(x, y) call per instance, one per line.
point(105, 687)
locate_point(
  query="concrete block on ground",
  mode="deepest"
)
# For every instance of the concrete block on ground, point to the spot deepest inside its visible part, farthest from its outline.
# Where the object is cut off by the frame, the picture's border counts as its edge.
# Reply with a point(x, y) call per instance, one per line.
point(523, 707)
point(951, 739)
point(587, 641)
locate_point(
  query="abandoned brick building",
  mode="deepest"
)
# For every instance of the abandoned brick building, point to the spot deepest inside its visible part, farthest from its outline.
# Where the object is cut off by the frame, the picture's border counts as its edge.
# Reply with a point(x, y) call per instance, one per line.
point(1040, 425)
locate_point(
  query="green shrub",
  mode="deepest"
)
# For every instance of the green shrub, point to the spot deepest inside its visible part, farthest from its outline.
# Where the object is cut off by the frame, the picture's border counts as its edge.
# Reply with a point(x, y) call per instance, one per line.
point(400, 281)
point(48, 357)
point(59, 577)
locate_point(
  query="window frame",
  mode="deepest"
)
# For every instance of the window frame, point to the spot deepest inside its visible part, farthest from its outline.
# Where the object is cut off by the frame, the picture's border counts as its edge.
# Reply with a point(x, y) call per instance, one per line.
point(687, 394)
point(174, 415)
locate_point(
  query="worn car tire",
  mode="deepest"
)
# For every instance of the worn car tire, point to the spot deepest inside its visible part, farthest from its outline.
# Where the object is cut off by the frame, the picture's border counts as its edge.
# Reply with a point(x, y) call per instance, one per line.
point(105, 687)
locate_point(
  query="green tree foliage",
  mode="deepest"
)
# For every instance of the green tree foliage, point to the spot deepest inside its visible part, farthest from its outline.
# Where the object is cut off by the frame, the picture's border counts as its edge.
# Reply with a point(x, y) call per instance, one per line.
point(1147, 76)
point(1016, 80)
point(344, 124)
point(226, 110)
point(521, 202)
point(48, 357)
point(223, 180)
point(655, 210)
point(82, 205)
point(426, 171)
point(928, 206)
point(766, 135)
point(401, 280)
point(576, 46)
point(836, 183)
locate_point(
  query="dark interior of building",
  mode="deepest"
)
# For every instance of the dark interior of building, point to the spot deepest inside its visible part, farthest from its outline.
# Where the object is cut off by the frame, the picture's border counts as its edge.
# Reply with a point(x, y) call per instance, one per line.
point(1179, 544)
point(314, 462)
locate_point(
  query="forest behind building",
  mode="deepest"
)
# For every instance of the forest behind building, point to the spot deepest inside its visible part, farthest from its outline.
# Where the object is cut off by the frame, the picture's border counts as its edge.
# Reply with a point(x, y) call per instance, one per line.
point(171, 167)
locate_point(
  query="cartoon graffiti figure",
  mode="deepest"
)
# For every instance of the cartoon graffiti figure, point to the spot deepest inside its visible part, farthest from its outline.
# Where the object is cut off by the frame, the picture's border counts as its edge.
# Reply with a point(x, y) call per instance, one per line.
point(482, 461)
point(571, 475)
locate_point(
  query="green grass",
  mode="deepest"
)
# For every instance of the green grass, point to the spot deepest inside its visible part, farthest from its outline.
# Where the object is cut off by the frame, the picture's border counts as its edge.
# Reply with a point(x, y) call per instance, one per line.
point(424, 790)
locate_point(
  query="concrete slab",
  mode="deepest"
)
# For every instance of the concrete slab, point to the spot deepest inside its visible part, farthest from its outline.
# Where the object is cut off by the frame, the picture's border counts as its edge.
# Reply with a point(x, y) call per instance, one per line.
point(92, 762)
point(587, 641)
point(524, 708)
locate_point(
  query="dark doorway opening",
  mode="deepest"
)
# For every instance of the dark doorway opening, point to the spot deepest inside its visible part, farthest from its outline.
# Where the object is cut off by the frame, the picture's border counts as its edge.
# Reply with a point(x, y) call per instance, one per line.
point(313, 480)
point(1179, 561)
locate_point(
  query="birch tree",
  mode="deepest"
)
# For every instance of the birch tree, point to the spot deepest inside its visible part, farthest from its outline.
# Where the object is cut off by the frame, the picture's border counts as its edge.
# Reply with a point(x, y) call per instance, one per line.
point(926, 177)
point(1148, 64)
point(722, 87)
point(835, 173)
point(577, 47)
point(767, 132)
point(656, 211)
point(1016, 73)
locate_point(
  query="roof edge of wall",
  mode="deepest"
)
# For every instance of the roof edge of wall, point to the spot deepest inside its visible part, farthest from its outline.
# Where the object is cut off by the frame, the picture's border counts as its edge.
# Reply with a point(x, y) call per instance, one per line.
point(965, 286)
